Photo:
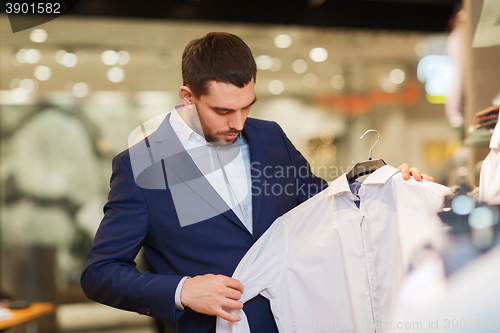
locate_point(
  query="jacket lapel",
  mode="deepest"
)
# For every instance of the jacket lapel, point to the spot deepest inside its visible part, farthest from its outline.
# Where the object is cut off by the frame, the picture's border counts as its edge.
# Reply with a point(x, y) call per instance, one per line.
point(257, 164)
point(165, 145)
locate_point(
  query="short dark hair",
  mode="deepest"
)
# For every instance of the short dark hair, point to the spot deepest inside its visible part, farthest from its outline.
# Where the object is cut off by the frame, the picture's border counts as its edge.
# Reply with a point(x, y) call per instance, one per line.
point(219, 56)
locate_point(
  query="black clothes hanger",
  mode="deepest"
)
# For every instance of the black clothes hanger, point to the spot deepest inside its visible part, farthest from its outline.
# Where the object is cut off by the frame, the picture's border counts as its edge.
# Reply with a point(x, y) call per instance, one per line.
point(365, 167)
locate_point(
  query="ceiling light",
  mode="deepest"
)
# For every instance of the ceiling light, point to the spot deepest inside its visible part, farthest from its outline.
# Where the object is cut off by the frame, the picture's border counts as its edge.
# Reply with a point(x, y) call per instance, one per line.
point(38, 35)
point(436, 71)
point(59, 56)
point(22, 56)
point(80, 89)
point(34, 56)
point(28, 85)
point(299, 66)
point(116, 74)
point(69, 60)
point(123, 57)
point(42, 73)
point(421, 49)
point(264, 62)
point(318, 54)
point(283, 41)
point(276, 87)
point(110, 57)
point(310, 80)
point(397, 76)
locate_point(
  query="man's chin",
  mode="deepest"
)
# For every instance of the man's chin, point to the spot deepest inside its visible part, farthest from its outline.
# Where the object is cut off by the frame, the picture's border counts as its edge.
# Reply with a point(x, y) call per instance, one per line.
point(223, 139)
point(223, 143)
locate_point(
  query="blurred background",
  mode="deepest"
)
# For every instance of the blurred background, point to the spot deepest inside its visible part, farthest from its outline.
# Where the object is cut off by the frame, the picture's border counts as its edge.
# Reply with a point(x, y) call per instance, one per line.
point(73, 89)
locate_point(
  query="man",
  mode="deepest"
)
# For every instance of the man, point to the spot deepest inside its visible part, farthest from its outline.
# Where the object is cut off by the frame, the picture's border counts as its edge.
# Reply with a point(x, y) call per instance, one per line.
point(195, 225)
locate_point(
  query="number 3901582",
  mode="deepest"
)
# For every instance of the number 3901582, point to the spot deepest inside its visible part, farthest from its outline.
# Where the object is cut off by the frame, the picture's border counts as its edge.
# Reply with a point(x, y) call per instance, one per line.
point(32, 8)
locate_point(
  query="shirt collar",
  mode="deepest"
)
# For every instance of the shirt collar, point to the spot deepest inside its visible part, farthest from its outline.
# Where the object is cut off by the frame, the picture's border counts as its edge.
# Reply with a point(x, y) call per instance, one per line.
point(183, 131)
point(381, 176)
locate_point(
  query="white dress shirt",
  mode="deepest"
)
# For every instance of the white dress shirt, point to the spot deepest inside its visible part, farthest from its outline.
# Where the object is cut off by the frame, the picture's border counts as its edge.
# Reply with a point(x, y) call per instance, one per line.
point(328, 265)
point(489, 183)
point(236, 192)
point(232, 181)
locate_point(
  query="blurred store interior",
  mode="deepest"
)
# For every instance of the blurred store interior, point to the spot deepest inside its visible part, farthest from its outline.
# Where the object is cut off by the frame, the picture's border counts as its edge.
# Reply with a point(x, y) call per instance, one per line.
point(73, 89)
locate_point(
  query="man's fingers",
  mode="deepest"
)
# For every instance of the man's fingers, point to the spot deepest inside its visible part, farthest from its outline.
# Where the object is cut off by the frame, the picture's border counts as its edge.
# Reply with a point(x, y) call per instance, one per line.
point(233, 283)
point(227, 316)
point(208, 293)
point(428, 178)
point(232, 305)
point(232, 294)
point(405, 170)
point(415, 172)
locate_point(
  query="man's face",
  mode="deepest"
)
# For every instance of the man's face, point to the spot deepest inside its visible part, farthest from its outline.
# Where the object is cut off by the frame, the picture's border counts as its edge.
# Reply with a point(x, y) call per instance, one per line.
point(224, 110)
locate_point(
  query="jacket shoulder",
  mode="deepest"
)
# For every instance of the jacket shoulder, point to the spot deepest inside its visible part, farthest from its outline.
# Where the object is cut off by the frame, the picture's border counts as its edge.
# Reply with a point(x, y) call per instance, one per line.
point(261, 122)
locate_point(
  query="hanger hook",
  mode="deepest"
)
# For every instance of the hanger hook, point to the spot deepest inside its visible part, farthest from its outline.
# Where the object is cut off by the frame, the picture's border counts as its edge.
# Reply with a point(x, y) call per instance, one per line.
point(361, 137)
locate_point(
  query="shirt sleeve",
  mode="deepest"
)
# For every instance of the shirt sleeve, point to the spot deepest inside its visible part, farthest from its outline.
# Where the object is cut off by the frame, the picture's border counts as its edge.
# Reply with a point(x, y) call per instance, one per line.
point(259, 271)
point(427, 199)
point(178, 303)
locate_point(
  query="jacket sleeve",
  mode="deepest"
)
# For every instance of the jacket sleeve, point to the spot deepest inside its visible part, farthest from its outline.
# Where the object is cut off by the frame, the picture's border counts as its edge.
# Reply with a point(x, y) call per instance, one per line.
point(308, 183)
point(110, 276)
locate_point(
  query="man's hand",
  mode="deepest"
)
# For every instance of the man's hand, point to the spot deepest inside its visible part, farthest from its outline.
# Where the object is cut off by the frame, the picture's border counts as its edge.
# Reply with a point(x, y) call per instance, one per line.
point(406, 171)
point(209, 293)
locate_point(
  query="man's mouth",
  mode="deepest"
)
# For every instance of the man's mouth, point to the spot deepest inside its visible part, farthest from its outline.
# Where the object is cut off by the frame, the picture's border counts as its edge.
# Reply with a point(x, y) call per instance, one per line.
point(230, 136)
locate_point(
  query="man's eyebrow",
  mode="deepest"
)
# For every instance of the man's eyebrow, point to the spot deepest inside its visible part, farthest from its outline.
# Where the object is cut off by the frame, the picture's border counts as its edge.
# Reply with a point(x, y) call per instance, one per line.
point(217, 108)
point(252, 103)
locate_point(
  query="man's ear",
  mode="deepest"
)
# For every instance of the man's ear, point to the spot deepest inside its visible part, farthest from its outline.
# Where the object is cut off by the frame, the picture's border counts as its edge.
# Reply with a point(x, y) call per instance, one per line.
point(186, 95)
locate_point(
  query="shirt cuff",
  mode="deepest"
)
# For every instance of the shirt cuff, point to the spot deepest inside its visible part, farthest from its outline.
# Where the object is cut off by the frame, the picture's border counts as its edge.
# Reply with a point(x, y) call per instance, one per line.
point(178, 304)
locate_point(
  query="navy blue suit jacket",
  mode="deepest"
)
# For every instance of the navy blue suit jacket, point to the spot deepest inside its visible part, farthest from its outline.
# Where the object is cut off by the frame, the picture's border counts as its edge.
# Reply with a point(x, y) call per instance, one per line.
point(145, 217)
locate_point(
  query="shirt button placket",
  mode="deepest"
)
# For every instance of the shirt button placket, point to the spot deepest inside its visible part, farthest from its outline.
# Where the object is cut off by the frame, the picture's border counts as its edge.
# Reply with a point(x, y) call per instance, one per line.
point(370, 267)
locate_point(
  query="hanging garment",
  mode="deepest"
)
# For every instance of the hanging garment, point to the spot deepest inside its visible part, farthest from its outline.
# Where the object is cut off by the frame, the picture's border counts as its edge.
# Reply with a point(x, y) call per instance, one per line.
point(489, 183)
point(485, 119)
point(328, 265)
point(467, 302)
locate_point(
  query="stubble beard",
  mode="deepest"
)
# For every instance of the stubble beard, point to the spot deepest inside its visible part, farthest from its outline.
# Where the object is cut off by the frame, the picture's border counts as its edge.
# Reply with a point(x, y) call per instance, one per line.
point(214, 138)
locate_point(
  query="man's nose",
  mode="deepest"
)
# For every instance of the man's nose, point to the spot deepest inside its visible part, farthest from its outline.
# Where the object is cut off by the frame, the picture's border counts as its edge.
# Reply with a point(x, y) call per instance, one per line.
point(236, 121)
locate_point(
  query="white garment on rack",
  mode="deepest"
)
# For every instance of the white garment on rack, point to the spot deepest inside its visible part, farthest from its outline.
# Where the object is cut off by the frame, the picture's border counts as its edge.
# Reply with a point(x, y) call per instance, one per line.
point(467, 303)
point(489, 182)
point(329, 266)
